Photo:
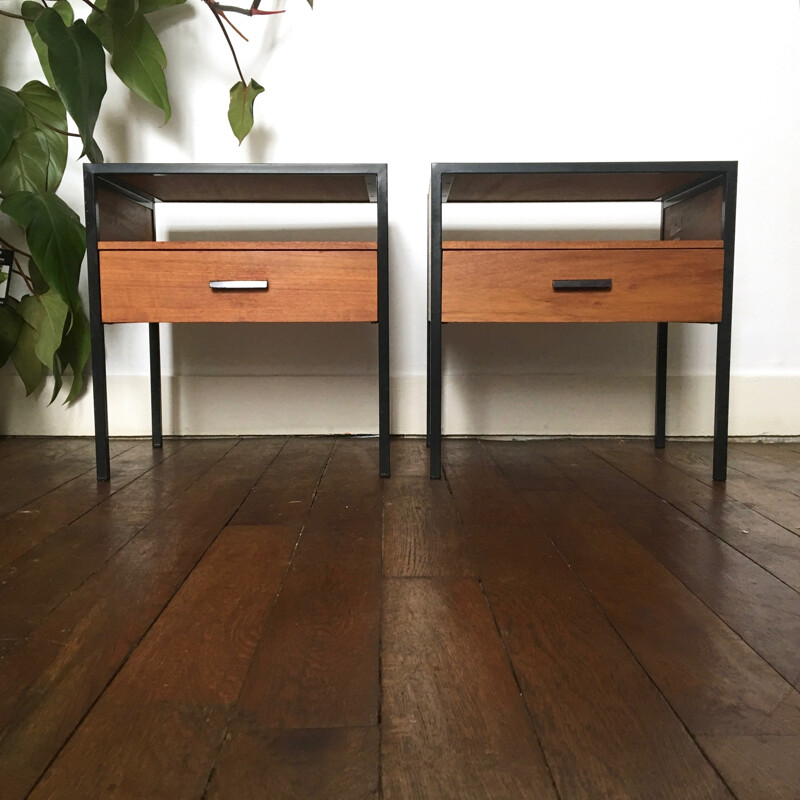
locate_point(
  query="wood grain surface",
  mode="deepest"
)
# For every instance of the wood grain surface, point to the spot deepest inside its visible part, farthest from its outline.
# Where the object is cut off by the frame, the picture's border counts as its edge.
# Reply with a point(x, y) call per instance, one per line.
point(266, 618)
point(304, 286)
point(648, 285)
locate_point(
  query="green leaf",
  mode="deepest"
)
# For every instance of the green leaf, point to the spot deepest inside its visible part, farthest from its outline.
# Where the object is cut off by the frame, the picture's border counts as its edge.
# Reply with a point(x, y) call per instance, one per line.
point(31, 11)
point(139, 60)
point(12, 118)
point(51, 327)
point(100, 25)
point(46, 111)
point(58, 380)
point(25, 166)
point(26, 362)
point(75, 349)
point(37, 279)
point(79, 70)
point(10, 327)
point(240, 111)
point(56, 239)
point(148, 6)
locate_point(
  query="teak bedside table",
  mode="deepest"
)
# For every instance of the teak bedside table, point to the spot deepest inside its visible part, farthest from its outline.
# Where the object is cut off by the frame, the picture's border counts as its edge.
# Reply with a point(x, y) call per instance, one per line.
point(687, 276)
point(133, 278)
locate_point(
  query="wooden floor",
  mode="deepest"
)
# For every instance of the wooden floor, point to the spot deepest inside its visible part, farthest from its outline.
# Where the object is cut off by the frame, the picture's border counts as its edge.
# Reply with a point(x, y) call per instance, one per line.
point(266, 618)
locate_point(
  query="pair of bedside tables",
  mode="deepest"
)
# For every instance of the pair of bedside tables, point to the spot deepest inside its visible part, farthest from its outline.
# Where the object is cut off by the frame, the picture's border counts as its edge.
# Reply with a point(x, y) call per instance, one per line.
point(687, 276)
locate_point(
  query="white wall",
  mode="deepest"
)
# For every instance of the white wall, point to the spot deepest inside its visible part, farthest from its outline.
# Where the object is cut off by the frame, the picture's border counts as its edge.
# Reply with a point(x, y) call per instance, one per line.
point(408, 84)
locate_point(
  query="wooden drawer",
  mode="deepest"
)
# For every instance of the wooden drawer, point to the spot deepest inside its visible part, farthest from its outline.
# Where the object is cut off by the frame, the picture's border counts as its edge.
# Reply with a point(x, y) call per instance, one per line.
point(169, 282)
point(650, 281)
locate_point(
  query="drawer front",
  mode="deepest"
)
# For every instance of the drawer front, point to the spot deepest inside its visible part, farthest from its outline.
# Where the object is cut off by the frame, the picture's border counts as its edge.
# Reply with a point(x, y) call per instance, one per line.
point(647, 285)
point(303, 286)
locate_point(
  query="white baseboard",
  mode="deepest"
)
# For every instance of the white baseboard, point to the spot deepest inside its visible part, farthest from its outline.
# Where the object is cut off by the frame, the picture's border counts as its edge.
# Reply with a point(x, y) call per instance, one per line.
point(522, 405)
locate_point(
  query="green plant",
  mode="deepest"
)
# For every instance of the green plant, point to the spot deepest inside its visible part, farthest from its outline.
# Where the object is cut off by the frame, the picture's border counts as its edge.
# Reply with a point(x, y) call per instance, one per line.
point(46, 329)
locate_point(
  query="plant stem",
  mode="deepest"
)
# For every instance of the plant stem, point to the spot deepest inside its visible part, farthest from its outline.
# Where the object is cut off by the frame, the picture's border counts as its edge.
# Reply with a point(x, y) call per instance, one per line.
point(14, 16)
point(14, 248)
point(222, 14)
point(57, 130)
point(228, 40)
point(24, 277)
point(93, 6)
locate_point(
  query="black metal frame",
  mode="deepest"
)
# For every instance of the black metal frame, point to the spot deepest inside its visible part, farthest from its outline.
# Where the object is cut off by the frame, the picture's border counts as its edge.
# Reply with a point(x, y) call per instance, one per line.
point(108, 176)
point(722, 173)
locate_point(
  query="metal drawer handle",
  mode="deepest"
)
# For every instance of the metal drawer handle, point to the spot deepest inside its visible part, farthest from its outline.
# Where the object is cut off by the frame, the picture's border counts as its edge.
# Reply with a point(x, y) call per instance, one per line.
point(234, 285)
point(583, 285)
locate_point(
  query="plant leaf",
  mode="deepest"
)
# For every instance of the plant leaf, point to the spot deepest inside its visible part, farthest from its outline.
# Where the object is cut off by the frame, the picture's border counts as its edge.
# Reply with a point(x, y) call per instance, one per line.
point(10, 327)
point(31, 10)
point(240, 111)
point(37, 279)
point(51, 326)
point(12, 118)
point(58, 380)
point(148, 6)
point(311, 3)
point(56, 239)
point(28, 366)
point(46, 111)
point(139, 60)
point(75, 349)
point(25, 166)
point(79, 70)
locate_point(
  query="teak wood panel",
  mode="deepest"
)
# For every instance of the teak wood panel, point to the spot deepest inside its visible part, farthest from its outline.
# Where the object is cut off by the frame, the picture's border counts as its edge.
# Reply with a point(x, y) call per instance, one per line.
point(173, 285)
point(229, 187)
point(536, 187)
point(649, 284)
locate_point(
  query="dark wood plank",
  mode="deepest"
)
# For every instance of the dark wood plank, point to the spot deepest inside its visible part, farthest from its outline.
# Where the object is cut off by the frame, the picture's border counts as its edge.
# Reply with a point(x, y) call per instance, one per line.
point(595, 721)
point(775, 503)
point(28, 526)
point(763, 610)
point(757, 767)
point(593, 705)
point(323, 763)
point(678, 639)
point(769, 462)
point(316, 665)
point(453, 722)
point(13, 445)
point(410, 457)
point(285, 492)
point(482, 495)
point(760, 539)
point(70, 658)
point(46, 464)
point(33, 584)
point(156, 730)
point(421, 530)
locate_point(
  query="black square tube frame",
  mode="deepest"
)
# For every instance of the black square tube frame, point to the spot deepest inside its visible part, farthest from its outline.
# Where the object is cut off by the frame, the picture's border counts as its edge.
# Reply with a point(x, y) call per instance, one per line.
point(713, 173)
point(121, 181)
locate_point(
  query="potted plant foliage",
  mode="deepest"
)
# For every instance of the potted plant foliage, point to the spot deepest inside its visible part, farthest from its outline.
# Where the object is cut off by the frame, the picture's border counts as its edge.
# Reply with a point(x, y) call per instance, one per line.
point(43, 327)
